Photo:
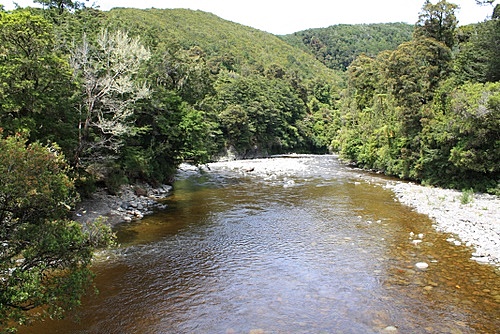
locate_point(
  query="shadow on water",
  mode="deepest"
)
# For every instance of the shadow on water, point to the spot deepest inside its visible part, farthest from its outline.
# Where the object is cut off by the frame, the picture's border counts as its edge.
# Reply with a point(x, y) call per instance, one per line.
point(332, 253)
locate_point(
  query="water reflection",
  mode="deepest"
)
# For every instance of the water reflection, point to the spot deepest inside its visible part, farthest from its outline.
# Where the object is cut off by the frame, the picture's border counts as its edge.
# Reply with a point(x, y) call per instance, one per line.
point(328, 253)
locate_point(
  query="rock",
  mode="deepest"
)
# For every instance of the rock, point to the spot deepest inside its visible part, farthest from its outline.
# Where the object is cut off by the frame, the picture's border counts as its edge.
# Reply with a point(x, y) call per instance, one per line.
point(390, 329)
point(422, 265)
point(482, 259)
point(139, 191)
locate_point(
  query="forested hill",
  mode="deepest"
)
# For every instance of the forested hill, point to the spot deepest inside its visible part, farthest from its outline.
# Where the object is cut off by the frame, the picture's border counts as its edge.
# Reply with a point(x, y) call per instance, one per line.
point(132, 93)
point(337, 46)
point(237, 47)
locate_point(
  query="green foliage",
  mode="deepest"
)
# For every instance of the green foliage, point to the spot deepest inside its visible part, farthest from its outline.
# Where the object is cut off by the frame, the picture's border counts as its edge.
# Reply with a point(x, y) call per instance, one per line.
point(461, 138)
point(467, 196)
point(35, 80)
point(337, 46)
point(258, 114)
point(210, 64)
point(437, 21)
point(198, 131)
point(236, 127)
point(476, 111)
point(44, 258)
point(479, 56)
point(152, 88)
point(408, 114)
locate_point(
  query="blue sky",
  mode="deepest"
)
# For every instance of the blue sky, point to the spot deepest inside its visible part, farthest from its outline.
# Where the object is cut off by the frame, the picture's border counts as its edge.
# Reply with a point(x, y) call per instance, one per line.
point(283, 17)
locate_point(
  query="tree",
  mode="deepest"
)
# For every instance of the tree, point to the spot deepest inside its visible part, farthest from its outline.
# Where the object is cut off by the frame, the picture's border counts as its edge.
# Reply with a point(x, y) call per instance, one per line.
point(184, 71)
point(476, 120)
point(461, 137)
point(413, 73)
point(61, 5)
point(108, 73)
point(236, 127)
point(268, 109)
point(35, 80)
point(437, 21)
point(478, 58)
point(44, 256)
point(363, 79)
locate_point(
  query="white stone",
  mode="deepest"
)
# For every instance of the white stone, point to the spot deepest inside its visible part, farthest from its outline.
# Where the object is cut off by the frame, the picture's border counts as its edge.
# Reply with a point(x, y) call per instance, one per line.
point(390, 329)
point(421, 265)
point(480, 259)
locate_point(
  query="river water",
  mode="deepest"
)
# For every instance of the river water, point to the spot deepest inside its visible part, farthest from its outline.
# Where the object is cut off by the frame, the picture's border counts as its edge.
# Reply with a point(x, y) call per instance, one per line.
point(308, 246)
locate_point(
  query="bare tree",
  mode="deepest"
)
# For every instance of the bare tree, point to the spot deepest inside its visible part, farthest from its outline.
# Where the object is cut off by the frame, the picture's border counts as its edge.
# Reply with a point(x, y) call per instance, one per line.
point(108, 72)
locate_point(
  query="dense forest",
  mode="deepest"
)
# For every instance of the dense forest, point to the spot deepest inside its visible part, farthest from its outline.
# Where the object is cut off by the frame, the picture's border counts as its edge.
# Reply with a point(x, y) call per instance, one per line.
point(337, 46)
point(94, 99)
point(429, 110)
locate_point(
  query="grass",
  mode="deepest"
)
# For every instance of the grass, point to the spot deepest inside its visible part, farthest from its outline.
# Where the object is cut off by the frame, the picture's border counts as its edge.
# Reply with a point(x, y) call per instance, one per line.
point(467, 196)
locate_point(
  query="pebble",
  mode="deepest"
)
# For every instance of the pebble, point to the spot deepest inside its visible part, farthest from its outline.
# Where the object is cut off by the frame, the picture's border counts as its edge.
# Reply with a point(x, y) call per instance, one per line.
point(390, 329)
point(421, 265)
point(482, 259)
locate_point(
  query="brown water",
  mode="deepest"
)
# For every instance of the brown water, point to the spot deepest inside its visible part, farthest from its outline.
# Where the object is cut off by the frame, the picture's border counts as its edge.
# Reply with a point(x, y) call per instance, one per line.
point(326, 253)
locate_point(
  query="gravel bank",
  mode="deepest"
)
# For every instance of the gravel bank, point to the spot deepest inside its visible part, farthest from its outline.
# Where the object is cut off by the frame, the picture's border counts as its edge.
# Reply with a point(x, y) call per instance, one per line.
point(476, 224)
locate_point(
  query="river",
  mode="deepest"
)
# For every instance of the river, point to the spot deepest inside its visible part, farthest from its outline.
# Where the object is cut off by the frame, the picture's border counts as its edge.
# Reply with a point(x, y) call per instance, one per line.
point(318, 248)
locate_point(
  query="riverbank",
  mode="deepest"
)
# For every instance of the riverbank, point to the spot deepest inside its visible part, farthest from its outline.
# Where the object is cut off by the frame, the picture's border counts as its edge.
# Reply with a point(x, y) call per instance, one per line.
point(132, 203)
point(470, 218)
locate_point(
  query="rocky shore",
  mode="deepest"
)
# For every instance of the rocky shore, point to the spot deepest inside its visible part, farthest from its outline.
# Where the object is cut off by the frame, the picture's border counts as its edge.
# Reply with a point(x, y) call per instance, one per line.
point(133, 203)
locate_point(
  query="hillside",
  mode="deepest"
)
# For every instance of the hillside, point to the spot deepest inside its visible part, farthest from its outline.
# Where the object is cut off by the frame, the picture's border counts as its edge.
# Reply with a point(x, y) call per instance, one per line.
point(243, 48)
point(337, 46)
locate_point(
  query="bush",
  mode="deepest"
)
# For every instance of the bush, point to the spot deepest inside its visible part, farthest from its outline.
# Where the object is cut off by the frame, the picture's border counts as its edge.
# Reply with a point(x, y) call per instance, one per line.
point(44, 256)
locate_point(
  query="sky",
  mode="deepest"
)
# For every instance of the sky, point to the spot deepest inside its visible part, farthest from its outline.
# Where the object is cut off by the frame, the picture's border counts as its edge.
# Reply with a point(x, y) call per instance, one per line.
point(287, 16)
